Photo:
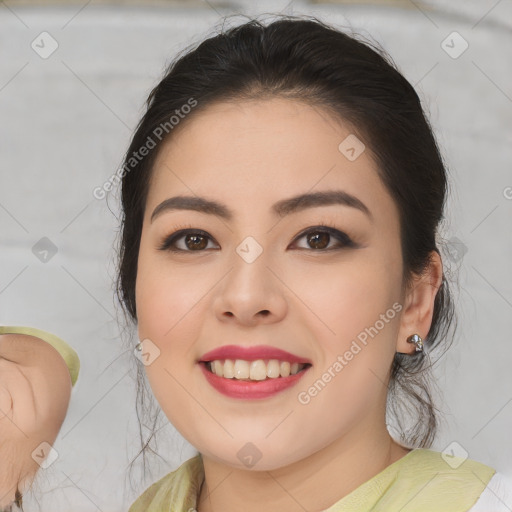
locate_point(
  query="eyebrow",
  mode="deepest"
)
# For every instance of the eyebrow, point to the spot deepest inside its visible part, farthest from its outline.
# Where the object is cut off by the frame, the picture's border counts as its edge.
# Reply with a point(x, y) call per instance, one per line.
point(281, 208)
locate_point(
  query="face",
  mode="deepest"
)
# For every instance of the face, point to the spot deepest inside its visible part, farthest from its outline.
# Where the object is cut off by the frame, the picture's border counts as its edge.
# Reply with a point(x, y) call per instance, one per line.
point(318, 280)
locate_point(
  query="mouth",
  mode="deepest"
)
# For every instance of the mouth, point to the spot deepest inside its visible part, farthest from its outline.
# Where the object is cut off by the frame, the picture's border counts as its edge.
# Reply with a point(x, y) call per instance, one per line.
point(253, 372)
point(256, 370)
point(249, 380)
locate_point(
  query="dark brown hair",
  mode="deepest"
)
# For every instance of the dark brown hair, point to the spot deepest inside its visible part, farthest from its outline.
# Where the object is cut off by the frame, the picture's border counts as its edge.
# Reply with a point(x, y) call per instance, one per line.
point(18, 501)
point(352, 79)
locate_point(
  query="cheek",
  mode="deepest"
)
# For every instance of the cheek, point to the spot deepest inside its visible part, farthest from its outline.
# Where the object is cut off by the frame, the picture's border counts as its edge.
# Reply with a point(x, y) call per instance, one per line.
point(170, 309)
point(356, 336)
point(163, 297)
point(346, 299)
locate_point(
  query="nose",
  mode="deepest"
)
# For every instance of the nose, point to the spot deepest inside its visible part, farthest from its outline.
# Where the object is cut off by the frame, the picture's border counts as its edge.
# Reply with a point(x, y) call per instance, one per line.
point(250, 293)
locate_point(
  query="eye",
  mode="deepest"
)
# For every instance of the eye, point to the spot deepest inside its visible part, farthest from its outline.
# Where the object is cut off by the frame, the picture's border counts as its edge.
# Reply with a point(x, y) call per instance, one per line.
point(319, 238)
point(194, 240)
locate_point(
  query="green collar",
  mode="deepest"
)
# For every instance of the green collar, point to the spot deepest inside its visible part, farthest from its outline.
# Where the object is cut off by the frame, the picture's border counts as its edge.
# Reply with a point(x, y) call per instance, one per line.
point(422, 481)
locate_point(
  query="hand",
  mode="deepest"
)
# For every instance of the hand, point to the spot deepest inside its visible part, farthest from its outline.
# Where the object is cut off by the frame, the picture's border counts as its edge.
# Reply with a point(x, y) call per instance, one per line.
point(35, 389)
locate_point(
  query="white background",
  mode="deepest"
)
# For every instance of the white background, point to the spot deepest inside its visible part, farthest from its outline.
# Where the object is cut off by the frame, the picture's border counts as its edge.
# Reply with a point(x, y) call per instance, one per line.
point(65, 124)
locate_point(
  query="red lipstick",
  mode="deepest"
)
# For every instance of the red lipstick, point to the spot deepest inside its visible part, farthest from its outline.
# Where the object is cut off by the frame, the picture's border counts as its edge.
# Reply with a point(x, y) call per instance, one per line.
point(247, 389)
point(252, 354)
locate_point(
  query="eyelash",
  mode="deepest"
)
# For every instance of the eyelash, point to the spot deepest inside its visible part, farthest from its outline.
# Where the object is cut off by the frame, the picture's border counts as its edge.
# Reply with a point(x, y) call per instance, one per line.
point(183, 230)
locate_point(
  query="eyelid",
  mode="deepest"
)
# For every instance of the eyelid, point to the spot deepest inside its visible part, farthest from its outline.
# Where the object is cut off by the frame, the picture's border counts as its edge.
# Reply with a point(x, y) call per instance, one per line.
point(344, 240)
point(336, 233)
point(180, 232)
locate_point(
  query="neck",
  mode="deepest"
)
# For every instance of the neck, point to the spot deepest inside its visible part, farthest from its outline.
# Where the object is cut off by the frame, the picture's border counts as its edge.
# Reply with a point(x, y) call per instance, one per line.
point(313, 483)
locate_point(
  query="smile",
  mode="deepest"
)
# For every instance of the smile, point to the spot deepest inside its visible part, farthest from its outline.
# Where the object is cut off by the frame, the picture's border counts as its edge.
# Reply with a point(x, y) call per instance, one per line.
point(254, 370)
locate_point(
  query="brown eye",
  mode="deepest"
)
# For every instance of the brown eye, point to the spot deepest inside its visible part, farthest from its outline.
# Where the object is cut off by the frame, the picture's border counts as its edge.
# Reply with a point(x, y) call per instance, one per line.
point(319, 238)
point(193, 241)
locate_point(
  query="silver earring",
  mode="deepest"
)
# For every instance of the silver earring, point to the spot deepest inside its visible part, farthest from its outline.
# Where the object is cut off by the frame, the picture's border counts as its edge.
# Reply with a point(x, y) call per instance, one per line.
point(138, 346)
point(417, 340)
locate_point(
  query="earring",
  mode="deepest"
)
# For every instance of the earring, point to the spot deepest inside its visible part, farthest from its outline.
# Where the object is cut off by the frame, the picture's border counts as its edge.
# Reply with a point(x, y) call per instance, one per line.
point(417, 340)
point(138, 346)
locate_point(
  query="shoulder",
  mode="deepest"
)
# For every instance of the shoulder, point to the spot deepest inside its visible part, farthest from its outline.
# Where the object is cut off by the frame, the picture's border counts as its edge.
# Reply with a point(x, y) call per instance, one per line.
point(442, 481)
point(497, 495)
point(429, 461)
point(178, 490)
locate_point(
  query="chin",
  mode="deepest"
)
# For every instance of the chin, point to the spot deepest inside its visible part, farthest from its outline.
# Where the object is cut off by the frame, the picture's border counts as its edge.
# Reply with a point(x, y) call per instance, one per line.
point(255, 457)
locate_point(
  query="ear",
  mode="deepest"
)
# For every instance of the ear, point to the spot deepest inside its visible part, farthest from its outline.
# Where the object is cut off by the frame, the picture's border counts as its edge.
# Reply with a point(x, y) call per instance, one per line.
point(419, 304)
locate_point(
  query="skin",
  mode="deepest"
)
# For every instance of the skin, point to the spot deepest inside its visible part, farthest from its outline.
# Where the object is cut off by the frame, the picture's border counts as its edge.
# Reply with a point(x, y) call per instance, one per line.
point(311, 302)
point(35, 389)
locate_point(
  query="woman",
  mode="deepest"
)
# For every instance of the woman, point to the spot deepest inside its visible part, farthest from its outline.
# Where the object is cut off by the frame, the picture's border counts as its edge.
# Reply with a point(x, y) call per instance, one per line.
point(281, 199)
point(37, 373)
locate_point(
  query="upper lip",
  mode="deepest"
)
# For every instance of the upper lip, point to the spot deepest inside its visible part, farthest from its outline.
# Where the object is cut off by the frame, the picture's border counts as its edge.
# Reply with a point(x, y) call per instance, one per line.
point(251, 354)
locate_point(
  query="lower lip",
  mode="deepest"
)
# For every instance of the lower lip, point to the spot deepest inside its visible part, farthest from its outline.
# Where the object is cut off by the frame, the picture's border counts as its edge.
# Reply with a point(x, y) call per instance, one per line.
point(250, 390)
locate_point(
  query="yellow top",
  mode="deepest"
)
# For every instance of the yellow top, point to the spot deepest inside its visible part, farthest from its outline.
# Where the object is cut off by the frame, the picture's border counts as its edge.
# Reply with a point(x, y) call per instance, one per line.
point(422, 481)
point(67, 353)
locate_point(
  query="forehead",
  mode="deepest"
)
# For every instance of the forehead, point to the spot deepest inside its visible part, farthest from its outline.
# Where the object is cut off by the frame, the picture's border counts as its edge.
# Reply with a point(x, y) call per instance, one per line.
point(257, 129)
point(249, 152)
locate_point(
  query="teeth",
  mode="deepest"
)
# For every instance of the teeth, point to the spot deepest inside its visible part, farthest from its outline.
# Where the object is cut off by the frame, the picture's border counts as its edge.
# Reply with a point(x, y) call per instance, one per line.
point(258, 370)
point(241, 369)
point(228, 370)
point(273, 369)
point(254, 370)
point(218, 368)
point(284, 368)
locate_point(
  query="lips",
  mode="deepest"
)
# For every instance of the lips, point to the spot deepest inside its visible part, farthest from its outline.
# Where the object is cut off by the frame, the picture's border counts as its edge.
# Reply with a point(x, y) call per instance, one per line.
point(252, 354)
point(264, 362)
point(250, 390)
